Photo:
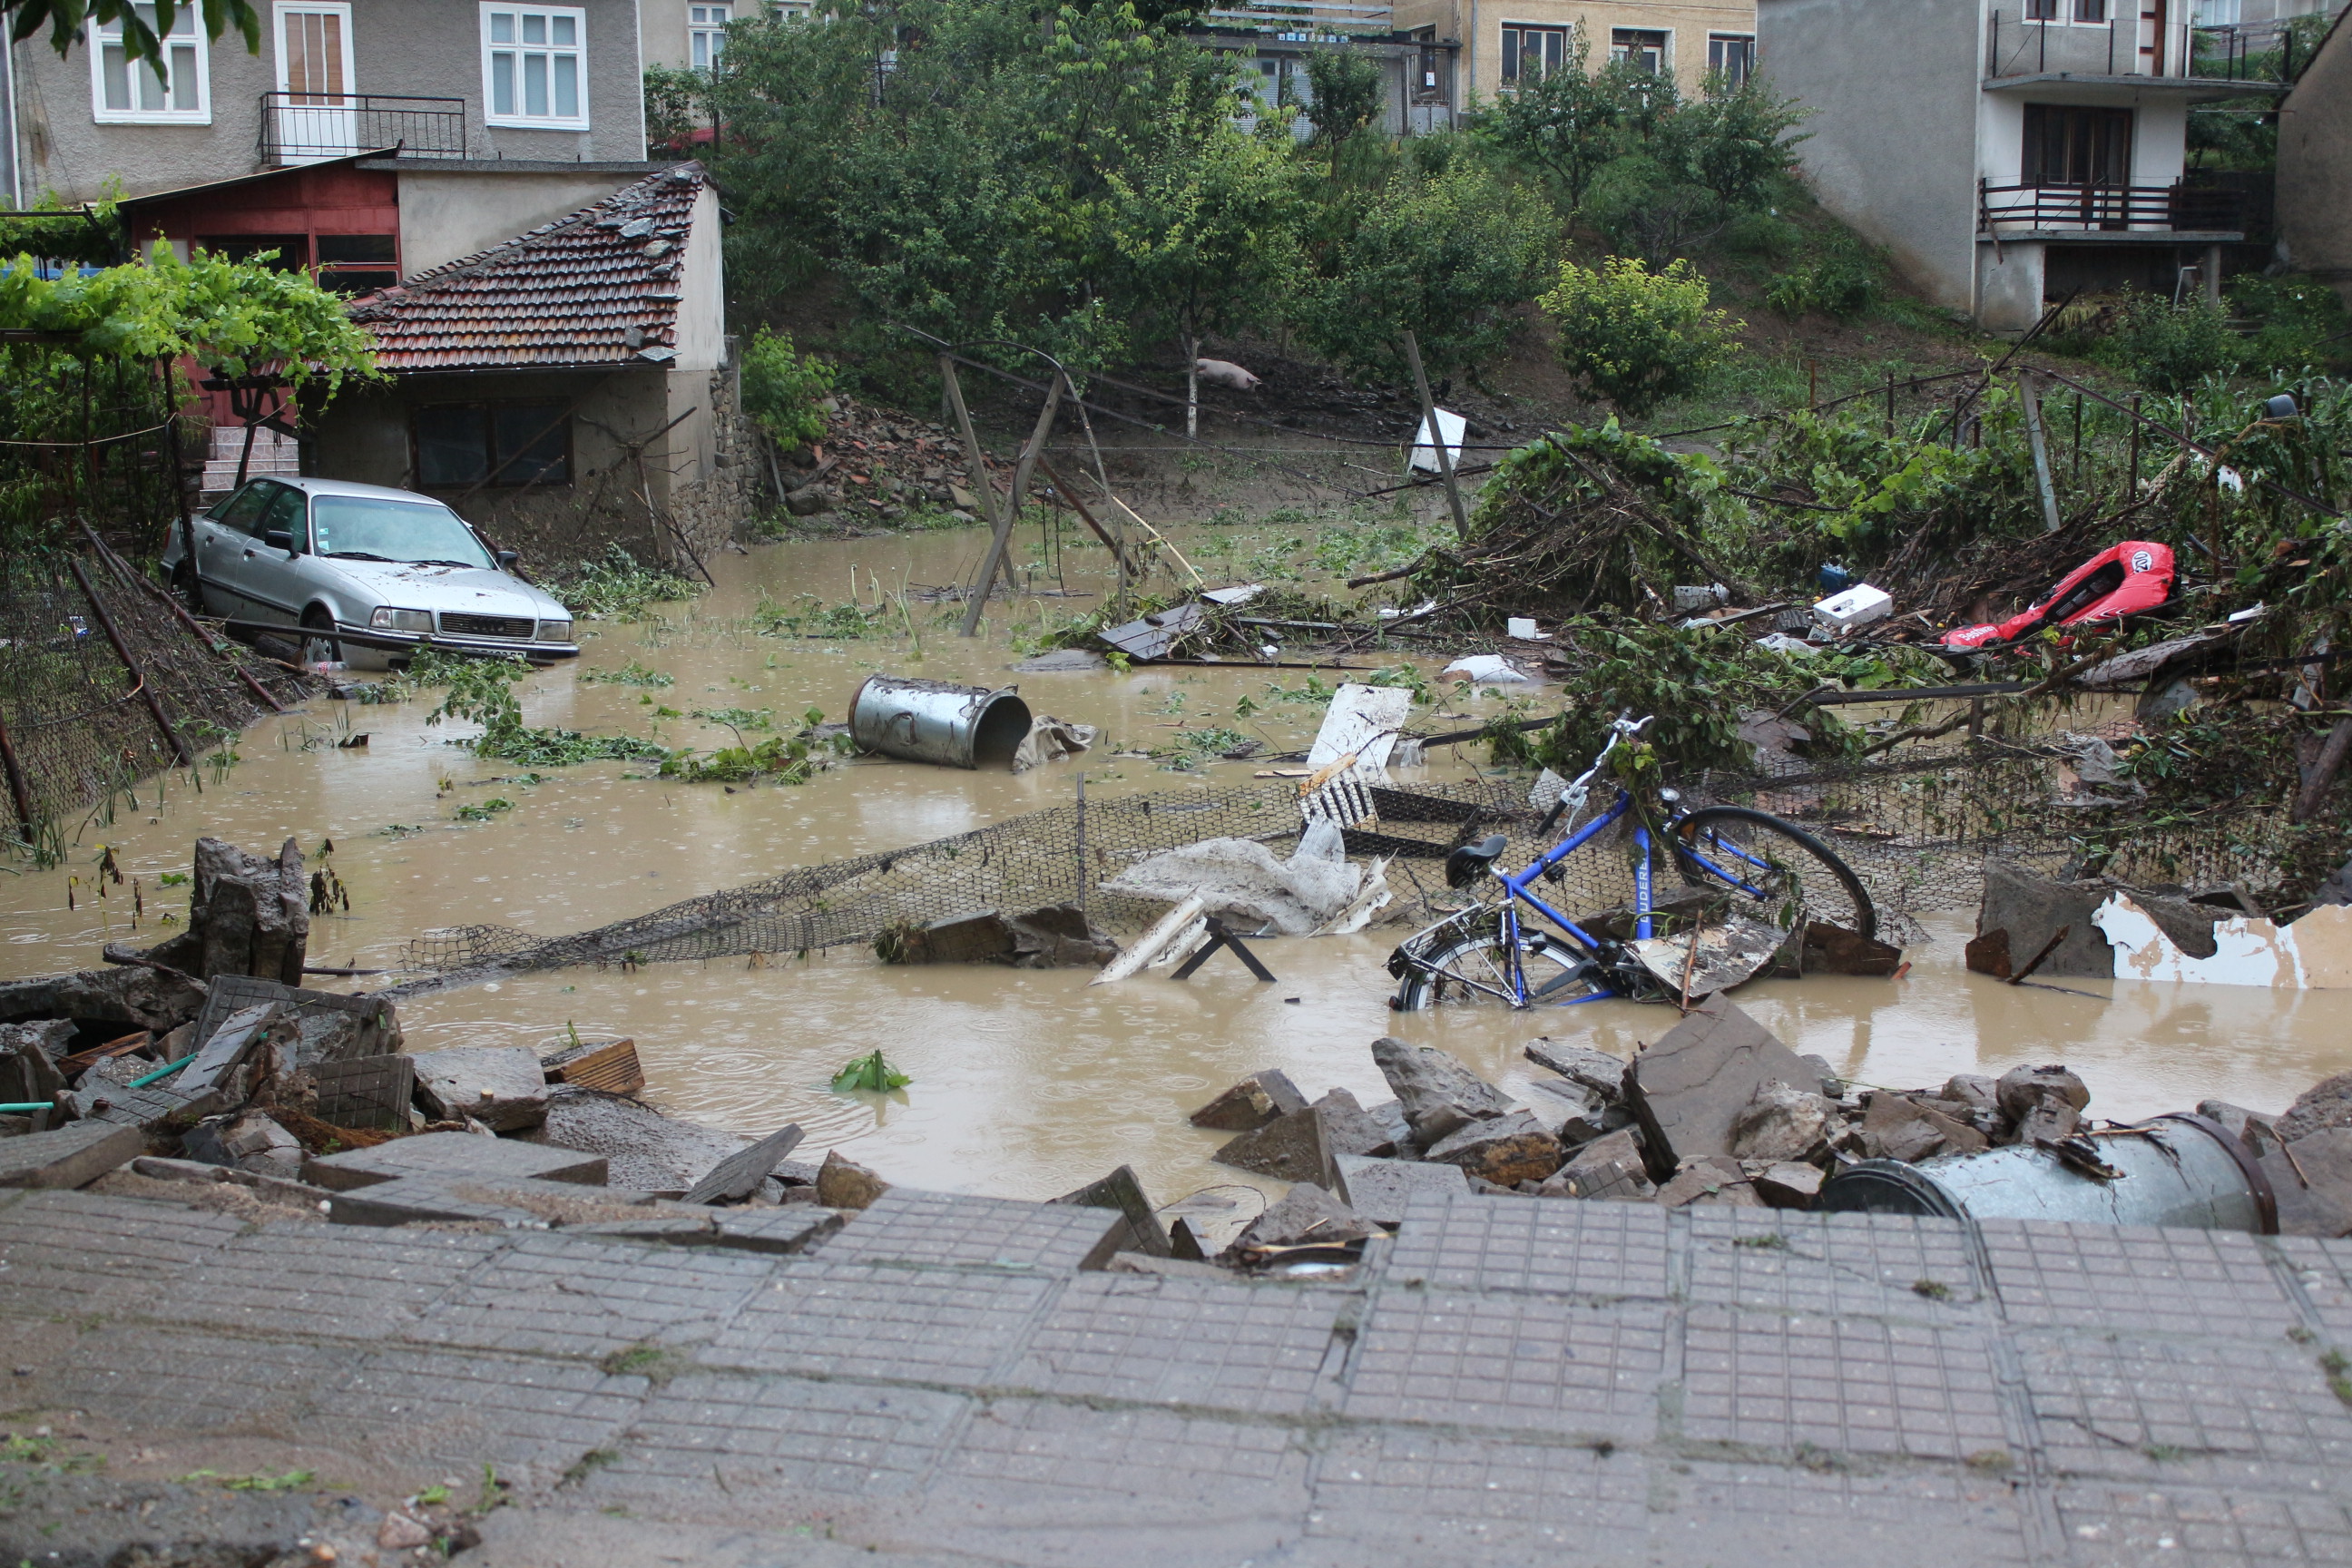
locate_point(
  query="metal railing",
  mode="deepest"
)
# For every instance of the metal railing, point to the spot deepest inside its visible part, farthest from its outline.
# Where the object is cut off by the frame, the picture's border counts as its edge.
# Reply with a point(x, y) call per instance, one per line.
point(1307, 19)
point(303, 128)
point(2146, 208)
point(2018, 45)
point(2250, 51)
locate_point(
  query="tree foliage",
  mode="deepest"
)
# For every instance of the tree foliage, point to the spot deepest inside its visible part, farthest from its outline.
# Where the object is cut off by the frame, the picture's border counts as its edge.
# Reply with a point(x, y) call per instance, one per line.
point(1638, 337)
point(783, 390)
point(143, 22)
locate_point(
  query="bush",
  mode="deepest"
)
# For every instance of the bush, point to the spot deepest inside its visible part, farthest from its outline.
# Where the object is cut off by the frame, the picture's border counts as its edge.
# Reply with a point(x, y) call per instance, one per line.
point(783, 391)
point(2299, 324)
point(1841, 285)
point(1638, 337)
point(2169, 347)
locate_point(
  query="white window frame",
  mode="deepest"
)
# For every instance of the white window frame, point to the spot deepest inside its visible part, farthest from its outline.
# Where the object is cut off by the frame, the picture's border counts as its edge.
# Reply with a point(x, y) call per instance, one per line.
point(579, 48)
point(711, 39)
point(1666, 52)
point(1748, 39)
point(99, 37)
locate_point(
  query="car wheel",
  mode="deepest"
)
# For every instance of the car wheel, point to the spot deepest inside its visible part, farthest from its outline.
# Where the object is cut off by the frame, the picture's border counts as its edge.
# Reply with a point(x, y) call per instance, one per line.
point(185, 587)
point(317, 649)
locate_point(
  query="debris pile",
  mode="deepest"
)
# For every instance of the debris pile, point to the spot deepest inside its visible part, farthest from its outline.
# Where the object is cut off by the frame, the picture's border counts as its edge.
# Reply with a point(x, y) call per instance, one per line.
point(874, 467)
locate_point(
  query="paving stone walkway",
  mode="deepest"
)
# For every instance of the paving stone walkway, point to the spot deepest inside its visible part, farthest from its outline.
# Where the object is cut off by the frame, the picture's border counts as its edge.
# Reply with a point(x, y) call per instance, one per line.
point(1507, 1381)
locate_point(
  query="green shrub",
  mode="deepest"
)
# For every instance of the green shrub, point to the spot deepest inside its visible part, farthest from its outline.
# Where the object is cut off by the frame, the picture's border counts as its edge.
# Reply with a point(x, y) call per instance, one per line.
point(1842, 284)
point(784, 391)
point(1638, 337)
point(2169, 347)
point(2298, 323)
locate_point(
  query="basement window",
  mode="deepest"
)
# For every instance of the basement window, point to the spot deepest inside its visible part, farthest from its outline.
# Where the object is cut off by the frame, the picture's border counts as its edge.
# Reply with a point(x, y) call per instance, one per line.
point(492, 444)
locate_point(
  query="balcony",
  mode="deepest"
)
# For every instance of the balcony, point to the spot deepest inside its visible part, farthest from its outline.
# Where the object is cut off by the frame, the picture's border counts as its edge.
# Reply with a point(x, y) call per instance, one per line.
point(2156, 213)
point(309, 128)
point(1305, 21)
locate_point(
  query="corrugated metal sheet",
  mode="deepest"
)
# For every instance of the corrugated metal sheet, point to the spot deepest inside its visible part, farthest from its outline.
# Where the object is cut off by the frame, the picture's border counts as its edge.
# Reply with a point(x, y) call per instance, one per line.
point(599, 287)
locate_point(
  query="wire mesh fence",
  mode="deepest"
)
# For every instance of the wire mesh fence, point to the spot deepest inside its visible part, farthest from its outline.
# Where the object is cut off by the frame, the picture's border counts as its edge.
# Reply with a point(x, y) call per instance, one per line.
point(103, 683)
point(1916, 829)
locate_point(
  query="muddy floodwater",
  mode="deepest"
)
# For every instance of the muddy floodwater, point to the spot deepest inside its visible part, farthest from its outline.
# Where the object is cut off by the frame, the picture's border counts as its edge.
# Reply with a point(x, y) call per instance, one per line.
point(1026, 1084)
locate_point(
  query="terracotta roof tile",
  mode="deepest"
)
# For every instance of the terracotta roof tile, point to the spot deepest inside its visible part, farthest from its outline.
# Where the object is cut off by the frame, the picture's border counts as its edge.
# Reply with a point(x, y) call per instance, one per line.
point(599, 287)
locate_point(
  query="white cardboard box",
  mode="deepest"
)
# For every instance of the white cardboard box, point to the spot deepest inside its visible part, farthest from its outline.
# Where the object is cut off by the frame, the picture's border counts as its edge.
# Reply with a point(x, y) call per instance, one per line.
point(1858, 607)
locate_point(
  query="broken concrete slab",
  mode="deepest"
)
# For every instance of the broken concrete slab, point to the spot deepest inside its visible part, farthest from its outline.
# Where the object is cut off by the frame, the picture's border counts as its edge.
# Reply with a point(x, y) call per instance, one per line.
point(2256, 1132)
point(1307, 1217)
point(134, 997)
point(2326, 1104)
point(1689, 1089)
point(1834, 950)
point(28, 1061)
point(515, 1204)
point(332, 1026)
point(1438, 1093)
point(72, 1156)
point(453, 1154)
point(1123, 1190)
point(2310, 1177)
point(501, 1087)
point(249, 1141)
point(241, 1035)
point(1572, 1112)
point(2030, 910)
point(1349, 1128)
point(1289, 1149)
point(1782, 1123)
point(1167, 1268)
point(1504, 1150)
point(643, 1149)
point(1610, 1168)
point(795, 1229)
point(1897, 1127)
point(273, 1189)
point(1595, 1069)
point(2040, 1102)
point(1251, 1103)
point(1789, 1185)
point(1377, 1189)
point(735, 1178)
point(156, 1107)
point(842, 1183)
point(1713, 1180)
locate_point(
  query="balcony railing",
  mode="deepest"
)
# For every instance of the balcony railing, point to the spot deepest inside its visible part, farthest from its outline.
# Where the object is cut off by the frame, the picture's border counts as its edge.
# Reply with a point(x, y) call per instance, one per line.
point(305, 128)
point(2114, 209)
point(2021, 45)
point(1306, 20)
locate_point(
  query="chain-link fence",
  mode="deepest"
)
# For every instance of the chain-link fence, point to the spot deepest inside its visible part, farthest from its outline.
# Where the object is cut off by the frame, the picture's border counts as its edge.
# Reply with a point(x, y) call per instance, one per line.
point(104, 682)
point(1914, 828)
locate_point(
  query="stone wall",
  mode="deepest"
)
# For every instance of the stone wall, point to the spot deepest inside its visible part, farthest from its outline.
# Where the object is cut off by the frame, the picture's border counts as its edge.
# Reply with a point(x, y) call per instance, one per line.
point(709, 511)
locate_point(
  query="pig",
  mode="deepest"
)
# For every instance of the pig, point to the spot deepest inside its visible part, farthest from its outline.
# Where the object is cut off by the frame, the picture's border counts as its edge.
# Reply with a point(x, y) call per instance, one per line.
point(1225, 373)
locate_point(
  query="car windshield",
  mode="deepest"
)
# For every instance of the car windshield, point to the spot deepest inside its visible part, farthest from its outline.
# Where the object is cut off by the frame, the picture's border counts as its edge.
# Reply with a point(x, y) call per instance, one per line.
point(373, 528)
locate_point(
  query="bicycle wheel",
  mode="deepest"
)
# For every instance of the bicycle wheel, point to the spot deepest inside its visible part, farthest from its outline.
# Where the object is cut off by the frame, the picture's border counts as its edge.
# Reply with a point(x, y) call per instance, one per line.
point(1476, 970)
point(1776, 867)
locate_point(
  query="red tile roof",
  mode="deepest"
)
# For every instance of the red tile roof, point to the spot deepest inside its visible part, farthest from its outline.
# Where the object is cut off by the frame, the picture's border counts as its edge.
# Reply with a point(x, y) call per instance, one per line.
point(598, 288)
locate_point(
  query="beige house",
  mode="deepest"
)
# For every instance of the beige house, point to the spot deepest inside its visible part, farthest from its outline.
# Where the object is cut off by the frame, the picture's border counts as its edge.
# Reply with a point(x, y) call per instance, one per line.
point(1507, 42)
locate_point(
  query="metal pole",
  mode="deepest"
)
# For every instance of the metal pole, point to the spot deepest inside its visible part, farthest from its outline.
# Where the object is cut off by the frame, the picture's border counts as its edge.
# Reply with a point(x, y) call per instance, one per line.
point(2027, 398)
point(1082, 845)
point(983, 493)
point(1437, 437)
point(17, 789)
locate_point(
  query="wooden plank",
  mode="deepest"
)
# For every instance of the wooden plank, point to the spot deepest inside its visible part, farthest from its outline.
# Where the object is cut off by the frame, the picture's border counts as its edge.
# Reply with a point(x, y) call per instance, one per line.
point(610, 1067)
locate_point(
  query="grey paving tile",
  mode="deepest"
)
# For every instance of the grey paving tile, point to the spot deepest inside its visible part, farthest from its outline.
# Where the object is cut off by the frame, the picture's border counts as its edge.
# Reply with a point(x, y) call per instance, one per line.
point(2125, 1525)
point(1400, 1497)
point(559, 1295)
point(919, 1325)
point(1183, 1342)
point(2135, 1279)
point(1555, 1246)
point(945, 1229)
point(709, 1440)
point(324, 1280)
point(1527, 1362)
point(1887, 1266)
point(530, 1417)
point(2324, 1268)
point(165, 1379)
point(2219, 1411)
point(82, 1253)
point(1840, 1385)
point(1767, 1516)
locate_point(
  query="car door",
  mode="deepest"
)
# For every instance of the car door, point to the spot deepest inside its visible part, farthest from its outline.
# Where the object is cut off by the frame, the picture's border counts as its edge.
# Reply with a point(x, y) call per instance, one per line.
point(269, 578)
point(223, 535)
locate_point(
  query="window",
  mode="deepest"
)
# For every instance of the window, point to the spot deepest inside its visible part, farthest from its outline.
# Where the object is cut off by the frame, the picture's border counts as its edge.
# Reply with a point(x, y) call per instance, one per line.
point(355, 263)
point(1428, 83)
point(286, 252)
point(1641, 46)
point(1730, 56)
point(288, 513)
point(242, 511)
point(534, 66)
point(1529, 52)
point(125, 90)
point(494, 443)
point(706, 35)
point(2072, 145)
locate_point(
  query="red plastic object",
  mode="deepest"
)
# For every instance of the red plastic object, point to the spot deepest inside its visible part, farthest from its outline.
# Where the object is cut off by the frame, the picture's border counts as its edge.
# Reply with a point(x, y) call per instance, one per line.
point(2128, 579)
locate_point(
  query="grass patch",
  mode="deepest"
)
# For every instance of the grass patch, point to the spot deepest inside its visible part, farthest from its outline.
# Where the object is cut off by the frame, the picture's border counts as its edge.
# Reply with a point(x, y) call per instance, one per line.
point(1933, 1289)
point(630, 674)
point(657, 1364)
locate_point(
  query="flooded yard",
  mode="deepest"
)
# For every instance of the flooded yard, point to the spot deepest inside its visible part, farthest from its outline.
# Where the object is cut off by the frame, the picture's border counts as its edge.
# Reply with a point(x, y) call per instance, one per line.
point(1027, 1083)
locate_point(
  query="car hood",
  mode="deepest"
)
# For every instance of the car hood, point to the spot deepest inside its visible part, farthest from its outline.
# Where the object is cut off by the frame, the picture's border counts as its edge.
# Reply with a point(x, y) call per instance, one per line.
point(470, 590)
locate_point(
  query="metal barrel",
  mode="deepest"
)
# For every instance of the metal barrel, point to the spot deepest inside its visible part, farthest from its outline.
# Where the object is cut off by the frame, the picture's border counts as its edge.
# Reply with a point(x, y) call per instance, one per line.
point(2179, 1170)
point(933, 721)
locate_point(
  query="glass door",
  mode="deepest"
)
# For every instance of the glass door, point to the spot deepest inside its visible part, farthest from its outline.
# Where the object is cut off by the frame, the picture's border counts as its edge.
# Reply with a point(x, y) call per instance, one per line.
point(318, 116)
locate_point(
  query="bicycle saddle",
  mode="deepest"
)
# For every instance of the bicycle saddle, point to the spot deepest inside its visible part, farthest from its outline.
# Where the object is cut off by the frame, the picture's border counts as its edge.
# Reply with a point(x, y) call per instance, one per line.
point(1472, 861)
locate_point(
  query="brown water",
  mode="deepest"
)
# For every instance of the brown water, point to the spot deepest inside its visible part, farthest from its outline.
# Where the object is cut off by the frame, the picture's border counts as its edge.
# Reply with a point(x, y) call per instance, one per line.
point(1025, 1083)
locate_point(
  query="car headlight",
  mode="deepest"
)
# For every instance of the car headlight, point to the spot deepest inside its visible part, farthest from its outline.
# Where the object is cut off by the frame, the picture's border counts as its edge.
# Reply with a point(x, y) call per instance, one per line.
point(555, 631)
point(401, 620)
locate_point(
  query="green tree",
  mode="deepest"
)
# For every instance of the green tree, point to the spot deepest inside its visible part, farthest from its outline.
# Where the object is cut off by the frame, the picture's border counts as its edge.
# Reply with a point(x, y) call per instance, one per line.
point(678, 99)
point(784, 391)
point(1636, 337)
point(1345, 96)
point(1448, 255)
point(1565, 124)
point(1205, 231)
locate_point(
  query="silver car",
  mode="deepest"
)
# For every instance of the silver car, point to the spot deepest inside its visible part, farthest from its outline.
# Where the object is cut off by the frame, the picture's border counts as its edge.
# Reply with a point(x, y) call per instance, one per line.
point(396, 568)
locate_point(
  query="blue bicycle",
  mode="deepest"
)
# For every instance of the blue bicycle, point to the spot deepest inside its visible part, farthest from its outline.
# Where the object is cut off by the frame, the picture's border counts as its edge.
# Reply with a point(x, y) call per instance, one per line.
point(1750, 860)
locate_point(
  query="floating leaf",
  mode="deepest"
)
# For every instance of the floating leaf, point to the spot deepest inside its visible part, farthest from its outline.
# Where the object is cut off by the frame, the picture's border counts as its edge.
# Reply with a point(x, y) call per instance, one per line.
point(870, 1072)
